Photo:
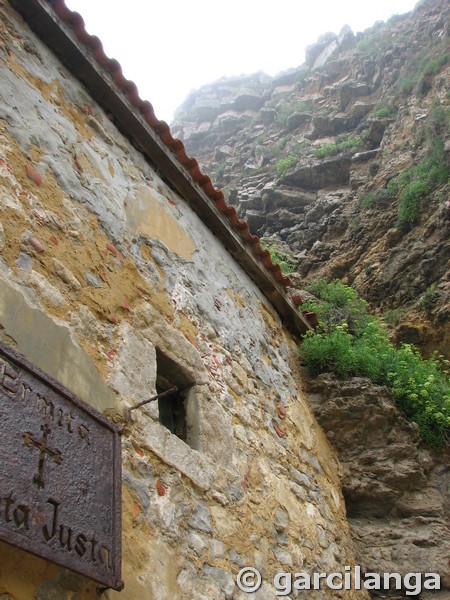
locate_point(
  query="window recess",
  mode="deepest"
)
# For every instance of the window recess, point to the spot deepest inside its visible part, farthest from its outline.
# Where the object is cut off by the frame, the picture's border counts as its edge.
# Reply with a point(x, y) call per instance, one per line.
point(177, 409)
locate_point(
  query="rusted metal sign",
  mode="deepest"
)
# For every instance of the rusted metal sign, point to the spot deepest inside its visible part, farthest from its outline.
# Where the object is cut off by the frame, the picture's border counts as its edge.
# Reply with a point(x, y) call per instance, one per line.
point(60, 474)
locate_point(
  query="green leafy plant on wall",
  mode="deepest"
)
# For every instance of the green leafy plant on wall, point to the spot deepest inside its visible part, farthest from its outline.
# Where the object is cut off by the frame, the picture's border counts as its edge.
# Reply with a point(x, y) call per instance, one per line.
point(350, 342)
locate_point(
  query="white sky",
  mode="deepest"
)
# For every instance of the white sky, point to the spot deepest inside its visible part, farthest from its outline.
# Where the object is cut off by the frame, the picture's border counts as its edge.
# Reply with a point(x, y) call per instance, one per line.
point(170, 47)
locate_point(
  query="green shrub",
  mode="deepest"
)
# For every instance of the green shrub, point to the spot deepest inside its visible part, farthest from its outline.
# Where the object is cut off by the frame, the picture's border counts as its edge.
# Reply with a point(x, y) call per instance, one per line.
point(429, 68)
point(420, 73)
point(406, 84)
point(278, 257)
point(300, 146)
point(350, 342)
point(220, 171)
point(341, 144)
point(440, 117)
point(428, 299)
point(409, 203)
point(385, 109)
point(302, 75)
point(372, 198)
point(284, 164)
point(326, 150)
point(280, 146)
point(393, 316)
point(354, 223)
point(393, 187)
point(368, 200)
point(432, 171)
point(352, 141)
point(339, 303)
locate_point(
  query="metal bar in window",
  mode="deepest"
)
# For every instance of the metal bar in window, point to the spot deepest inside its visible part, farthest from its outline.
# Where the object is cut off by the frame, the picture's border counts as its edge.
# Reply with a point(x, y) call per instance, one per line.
point(153, 398)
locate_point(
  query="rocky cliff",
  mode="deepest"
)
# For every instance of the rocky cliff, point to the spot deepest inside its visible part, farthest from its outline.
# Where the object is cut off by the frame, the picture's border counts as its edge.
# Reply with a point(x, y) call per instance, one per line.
point(396, 492)
point(343, 163)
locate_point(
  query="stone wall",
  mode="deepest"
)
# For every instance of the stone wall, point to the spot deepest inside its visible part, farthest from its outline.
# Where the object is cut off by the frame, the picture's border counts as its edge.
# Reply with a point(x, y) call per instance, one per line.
point(104, 269)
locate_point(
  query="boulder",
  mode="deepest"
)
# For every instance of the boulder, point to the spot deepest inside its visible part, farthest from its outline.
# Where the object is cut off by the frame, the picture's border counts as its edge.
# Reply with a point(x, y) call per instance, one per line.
point(296, 119)
point(223, 152)
point(206, 113)
point(376, 131)
point(360, 109)
point(313, 51)
point(350, 90)
point(285, 197)
point(255, 220)
point(245, 102)
point(331, 50)
point(313, 176)
point(228, 122)
point(267, 115)
point(346, 38)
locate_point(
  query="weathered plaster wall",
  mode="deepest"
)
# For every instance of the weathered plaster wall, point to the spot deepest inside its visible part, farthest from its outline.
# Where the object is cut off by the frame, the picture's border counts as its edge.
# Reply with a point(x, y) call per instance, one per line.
point(101, 264)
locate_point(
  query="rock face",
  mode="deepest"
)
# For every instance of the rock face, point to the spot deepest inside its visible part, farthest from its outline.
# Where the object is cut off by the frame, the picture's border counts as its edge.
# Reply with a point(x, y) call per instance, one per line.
point(396, 491)
point(338, 130)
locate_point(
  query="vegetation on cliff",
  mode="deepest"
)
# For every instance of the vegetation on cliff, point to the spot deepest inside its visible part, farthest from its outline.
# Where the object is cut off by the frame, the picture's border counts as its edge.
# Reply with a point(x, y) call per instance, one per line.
point(343, 164)
point(414, 184)
point(351, 342)
point(278, 257)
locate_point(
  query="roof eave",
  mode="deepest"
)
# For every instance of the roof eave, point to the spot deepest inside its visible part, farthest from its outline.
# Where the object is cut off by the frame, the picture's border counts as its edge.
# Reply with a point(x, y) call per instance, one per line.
point(78, 58)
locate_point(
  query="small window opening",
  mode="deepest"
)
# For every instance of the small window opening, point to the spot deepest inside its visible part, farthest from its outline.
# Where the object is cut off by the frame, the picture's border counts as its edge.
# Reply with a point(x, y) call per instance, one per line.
point(172, 412)
point(176, 410)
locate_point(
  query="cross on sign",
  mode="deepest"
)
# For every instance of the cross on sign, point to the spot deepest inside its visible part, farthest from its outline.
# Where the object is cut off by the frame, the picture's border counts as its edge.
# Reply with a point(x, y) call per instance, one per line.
point(29, 440)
